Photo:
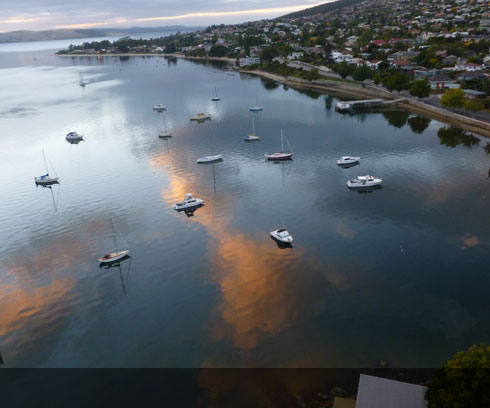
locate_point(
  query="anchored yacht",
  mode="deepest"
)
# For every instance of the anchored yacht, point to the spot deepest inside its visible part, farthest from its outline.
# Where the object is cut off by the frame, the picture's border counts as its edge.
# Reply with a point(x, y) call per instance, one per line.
point(188, 202)
point(348, 160)
point(364, 181)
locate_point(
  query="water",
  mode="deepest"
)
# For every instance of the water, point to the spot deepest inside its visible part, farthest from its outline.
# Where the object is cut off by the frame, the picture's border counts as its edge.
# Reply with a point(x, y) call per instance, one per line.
point(398, 275)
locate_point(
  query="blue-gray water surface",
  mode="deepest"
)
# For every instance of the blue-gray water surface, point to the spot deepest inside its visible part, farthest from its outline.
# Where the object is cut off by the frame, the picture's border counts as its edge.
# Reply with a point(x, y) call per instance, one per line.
point(397, 275)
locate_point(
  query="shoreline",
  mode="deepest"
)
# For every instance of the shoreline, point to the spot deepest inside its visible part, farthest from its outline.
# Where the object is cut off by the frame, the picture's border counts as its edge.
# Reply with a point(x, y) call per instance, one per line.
point(345, 88)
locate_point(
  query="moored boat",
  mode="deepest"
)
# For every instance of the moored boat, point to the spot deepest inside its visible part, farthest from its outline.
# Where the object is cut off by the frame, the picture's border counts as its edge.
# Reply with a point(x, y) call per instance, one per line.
point(282, 155)
point(210, 159)
point(364, 181)
point(201, 117)
point(159, 107)
point(46, 179)
point(73, 137)
point(348, 160)
point(282, 235)
point(188, 202)
point(116, 255)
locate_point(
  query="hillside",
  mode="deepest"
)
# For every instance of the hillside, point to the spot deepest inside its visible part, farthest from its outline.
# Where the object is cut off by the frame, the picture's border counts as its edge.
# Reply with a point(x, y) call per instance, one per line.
point(322, 8)
point(65, 34)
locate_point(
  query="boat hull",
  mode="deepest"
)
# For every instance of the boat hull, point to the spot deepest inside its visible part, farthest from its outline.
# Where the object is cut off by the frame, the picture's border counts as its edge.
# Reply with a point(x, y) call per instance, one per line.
point(251, 138)
point(197, 203)
point(364, 184)
point(114, 257)
point(348, 161)
point(46, 181)
point(210, 159)
point(164, 135)
point(288, 239)
point(279, 156)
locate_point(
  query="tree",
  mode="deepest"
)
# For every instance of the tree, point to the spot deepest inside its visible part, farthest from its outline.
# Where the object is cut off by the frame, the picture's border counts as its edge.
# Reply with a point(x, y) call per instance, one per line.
point(397, 82)
point(377, 78)
point(420, 88)
point(361, 73)
point(268, 54)
point(474, 105)
point(344, 69)
point(453, 98)
point(218, 51)
point(463, 381)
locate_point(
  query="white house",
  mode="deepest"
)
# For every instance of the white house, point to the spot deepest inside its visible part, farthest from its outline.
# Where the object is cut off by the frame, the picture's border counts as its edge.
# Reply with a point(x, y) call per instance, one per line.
point(442, 81)
point(244, 62)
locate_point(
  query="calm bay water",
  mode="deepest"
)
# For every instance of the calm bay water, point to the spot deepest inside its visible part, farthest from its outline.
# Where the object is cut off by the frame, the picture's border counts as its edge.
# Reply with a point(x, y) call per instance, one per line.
point(398, 275)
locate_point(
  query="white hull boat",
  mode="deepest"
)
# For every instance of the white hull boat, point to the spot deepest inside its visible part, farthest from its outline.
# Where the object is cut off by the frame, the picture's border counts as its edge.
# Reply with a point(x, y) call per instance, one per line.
point(117, 254)
point(159, 108)
point(256, 109)
point(164, 135)
point(201, 117)
point(253, 137)
point(210, 159)
point(188, 202)
point(46, 180)
point(282, 235)
point(73, 137)
point(282, 155)
point(364, 181)
point(348, 160)
point(215, 98)
point(114, 256)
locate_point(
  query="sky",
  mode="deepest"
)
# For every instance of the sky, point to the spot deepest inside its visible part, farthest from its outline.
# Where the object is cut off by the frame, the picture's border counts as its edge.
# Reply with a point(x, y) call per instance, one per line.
point(52, 14)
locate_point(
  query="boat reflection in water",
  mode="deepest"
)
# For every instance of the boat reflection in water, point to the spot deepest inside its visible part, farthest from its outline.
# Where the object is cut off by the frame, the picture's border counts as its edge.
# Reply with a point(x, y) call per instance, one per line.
point(366, 190)
point(282, 245)
point(190, 212)
point(348, 165)
point(117, 265)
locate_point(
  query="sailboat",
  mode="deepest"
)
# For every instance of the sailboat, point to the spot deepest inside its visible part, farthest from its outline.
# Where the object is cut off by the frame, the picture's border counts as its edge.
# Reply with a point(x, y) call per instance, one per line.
point(211, 158)
point(252, 137)
point(215, 98)
point(82, 83)
point(256, 108)
point(116, 255)
point(46, 179)
point(164, 134)
point(282, 155)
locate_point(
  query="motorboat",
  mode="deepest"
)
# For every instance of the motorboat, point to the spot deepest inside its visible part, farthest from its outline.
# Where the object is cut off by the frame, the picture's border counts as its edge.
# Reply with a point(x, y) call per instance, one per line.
point(117, 255)
point(282, 235)
point(159, 107)
point(188, 202)
point(252, 137)
point(73, 137)
point(364, 181)
point(282, 155)
point(46, 179)
point(348, 160)
point(210, 159)
point(114, 256)
point(201, 117)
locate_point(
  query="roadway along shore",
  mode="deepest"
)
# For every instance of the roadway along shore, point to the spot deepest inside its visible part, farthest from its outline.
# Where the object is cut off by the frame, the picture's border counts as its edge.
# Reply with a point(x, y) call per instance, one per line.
point(357, 90)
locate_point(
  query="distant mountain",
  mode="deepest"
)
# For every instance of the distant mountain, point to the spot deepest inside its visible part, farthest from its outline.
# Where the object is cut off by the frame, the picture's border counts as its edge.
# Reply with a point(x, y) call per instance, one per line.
point(64, 34)
point(322, 8)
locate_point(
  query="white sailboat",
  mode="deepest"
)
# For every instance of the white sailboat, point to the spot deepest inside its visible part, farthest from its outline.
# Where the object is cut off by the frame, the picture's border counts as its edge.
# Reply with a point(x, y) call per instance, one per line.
point(215, 98)
point(46, 179)
point(282, 155)
point(165, 134)
point(117, 254)
point(256, 108)
point(253, 137)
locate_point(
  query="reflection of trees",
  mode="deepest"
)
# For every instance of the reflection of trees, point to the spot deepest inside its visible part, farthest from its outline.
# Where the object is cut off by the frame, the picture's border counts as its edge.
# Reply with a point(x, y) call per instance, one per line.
point(171, 60)
point(310, 93)
point(397, 119)
point(210, 63)
point(124, 58)
point(487, 148)
point(418, 124)
point(268, 83)
point(452, 137)
point(328, 102)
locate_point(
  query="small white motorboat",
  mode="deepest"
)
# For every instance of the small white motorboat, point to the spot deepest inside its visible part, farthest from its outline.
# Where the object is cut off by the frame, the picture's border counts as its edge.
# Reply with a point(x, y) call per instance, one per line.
point(210, 159)
point(114, 256)
point(159, 107)
point(282, 155)
point(364, 181)
point(348, 160)
point(282, 235)
point(73, 137)
point(201, 117)
point(188, 202)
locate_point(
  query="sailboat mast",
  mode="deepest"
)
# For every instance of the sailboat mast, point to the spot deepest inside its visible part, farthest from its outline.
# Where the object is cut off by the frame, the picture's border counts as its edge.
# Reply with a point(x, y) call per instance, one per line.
point(253, 127)
point(165, 123)
point(282, 142)
point(114, 235)
point(45, 163)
